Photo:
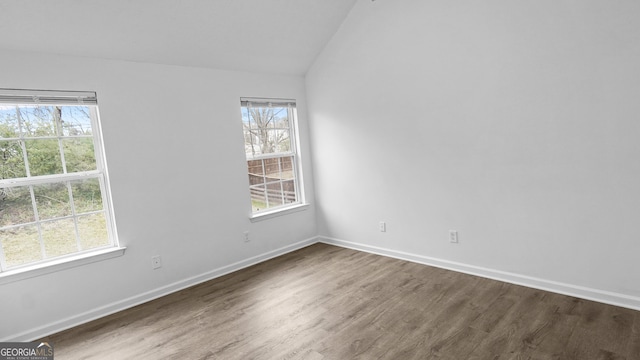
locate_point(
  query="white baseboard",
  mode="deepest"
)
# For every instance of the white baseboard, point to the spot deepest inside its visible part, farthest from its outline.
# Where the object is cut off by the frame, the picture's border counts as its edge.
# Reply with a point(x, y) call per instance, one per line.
point(112, 308)
point(606, 297)
point(602, 296)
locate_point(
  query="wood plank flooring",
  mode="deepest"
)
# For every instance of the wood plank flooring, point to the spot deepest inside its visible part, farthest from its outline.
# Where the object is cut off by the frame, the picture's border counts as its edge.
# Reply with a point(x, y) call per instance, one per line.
point(326, 302)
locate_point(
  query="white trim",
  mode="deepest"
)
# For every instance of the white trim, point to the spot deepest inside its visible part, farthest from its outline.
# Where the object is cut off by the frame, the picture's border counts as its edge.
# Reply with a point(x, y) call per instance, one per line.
point(47, 97)
point(294, 151)
point(50, 266)
point(48, 179)
point(279, 211)
point(607, 297)
point(267, 102)
point(273, 155)
point(64, 324)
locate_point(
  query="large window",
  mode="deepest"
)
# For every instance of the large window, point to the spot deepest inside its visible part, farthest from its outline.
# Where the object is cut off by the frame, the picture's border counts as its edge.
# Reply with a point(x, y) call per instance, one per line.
point(271, 148)
point(53, 185)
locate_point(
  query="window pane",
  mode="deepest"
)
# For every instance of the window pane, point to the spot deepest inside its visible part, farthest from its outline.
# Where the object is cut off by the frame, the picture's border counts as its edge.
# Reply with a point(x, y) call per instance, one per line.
point(75, 120)
point(289, 189)
point(272, 169)
point(59, 237)
point(16, 206)
point(21, 245)
point(266, 130)
point(273, 141)
point(39, 121)
point(11, 160)
point(246, 119)
point(86, 195)
point(274, 194)
point(286, 167)
point(279, 117)
point(52, 200)
point(92, 230)
point(251, 147)
point(44, 157)
point(256, 172)
point(281, 141)
point(258, 197)
point(9, 127)
point(79, 154)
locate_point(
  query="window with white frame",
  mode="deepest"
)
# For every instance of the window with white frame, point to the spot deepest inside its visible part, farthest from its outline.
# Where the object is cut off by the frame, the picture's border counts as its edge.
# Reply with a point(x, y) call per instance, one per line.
point(270, 142)
point(53, 184)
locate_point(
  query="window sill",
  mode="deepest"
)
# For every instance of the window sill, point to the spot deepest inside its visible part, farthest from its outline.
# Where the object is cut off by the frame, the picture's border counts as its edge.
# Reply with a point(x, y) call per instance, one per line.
point(58, 265)
point(278, 212)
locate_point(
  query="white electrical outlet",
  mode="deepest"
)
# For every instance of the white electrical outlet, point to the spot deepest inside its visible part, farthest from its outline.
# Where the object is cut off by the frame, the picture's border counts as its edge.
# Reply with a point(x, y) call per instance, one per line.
point(245, 236)
point(383, 226)
point(453, 236)
point(156, 262)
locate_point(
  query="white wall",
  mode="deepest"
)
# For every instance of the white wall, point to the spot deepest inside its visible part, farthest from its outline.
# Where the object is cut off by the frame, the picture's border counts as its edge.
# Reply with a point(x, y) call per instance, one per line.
point(175, 153)
point(515, 123)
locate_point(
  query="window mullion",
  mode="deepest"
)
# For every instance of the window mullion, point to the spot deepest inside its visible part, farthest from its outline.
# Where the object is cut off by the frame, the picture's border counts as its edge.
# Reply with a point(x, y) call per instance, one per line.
point(97, 138)
point(280, 180)
point(36, 216)
point(294, 135)
point(74, 215)
point(23, 144)
point(264, 181)
point(251, 135)
point(27, 168)
point(62, 159)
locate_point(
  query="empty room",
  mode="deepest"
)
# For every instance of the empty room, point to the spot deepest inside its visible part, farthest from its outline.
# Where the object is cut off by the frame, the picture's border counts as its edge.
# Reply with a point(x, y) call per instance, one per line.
point(320, 179)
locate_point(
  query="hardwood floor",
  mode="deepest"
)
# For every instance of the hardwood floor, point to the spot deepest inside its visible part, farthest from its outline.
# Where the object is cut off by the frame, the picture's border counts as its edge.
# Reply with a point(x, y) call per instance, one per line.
point(326, 302)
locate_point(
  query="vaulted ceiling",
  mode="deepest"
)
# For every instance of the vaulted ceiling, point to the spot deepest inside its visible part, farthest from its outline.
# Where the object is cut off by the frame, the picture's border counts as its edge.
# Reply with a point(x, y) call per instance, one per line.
point(273, 36)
